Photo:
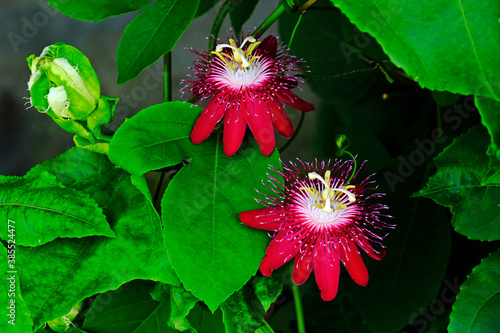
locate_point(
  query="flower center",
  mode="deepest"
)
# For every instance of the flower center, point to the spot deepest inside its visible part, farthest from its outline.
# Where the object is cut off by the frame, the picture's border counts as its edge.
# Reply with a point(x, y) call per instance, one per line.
point(329, 194)
point(238, 56)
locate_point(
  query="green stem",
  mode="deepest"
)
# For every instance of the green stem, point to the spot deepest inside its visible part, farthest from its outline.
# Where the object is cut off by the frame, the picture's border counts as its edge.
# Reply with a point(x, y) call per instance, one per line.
point(221, 15)
point(354, 167)
point(293, 32)
point(158, 183)
point(297, 130)
point(167, 77)
point(268, 326)
point(301, 326)
point(269, 21)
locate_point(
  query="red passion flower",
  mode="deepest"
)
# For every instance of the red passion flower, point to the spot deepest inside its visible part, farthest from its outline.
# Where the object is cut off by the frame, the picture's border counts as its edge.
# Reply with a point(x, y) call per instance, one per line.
point(321, 219)
point(249, 84)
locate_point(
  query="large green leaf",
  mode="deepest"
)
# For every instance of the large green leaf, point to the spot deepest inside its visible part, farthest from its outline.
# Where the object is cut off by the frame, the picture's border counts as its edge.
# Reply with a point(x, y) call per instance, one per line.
point(39, 209)
point(211, 251)
point(463, 183)
point(96, 10)
point(445, 45)
point(57, 275)
point(156, 137)
point(151, 34)
point(477, 305)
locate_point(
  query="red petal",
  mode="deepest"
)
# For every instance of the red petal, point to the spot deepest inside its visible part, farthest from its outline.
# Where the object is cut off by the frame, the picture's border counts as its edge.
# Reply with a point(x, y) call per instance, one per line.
point(260, 124)
point(265, 219)
point(293, 100)
point(269, 46)
point(282, 248)
point(326, 270)
point(211, 115)
point(303, 265)
point(234, 130)
point(279, 117)
point(354, 263)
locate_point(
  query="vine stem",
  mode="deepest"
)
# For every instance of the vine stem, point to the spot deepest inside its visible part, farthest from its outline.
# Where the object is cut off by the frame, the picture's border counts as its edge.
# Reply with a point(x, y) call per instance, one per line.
point(219, 19)
point(301, 326)
point(295, 133)
point(269, 21)
point(167, 97)
point(167, 77)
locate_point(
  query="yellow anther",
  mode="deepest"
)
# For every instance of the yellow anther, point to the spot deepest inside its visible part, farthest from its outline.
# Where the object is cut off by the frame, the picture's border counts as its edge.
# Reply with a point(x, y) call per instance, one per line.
point(329, 194)
point(242, 58)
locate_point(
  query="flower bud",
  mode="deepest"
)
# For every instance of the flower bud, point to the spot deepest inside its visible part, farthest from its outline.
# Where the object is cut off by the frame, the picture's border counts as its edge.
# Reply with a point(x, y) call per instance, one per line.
point(68, 85)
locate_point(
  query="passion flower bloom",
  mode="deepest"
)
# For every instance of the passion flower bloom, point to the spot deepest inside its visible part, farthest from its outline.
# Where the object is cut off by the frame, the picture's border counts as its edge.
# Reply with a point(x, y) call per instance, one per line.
point(246, 84)
point(321, 219)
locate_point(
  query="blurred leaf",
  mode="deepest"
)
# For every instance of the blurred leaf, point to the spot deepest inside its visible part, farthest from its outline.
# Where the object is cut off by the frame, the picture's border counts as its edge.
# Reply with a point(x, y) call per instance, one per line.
point(477, 305)
point(57, 275)
point(340, 76)
point(156, 137)
point(414, 267)
point(267, 290)
point(242, 312)
point(451, 49)
point(444, 98)
point(95, 10)
point(204, 321)
point(212, 252)
point(124, 310)
point(16, 317)
point(151, 34)
point(42, 210)
point(240, 13)
point(461, 183)
point(205, 6)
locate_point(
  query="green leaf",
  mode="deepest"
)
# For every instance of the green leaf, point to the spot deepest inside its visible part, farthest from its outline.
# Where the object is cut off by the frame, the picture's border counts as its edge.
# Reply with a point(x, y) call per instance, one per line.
point(242, 312)
point(16, 317)
point(452, 48)
point(490, 117)
point(267, 290)
point(57, 275)
point(41, 210)
point(477, 305)
point(462, 183)
point(95, 10)
point(240, 13)
point(123, 309)
point(151, 34)
point(156, 137)
point(212, 252)
point(181, 302)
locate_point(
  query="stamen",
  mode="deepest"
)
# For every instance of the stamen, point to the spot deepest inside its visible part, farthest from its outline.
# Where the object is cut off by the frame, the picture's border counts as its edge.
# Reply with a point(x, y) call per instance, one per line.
point(329, 193)
point(243, 58)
